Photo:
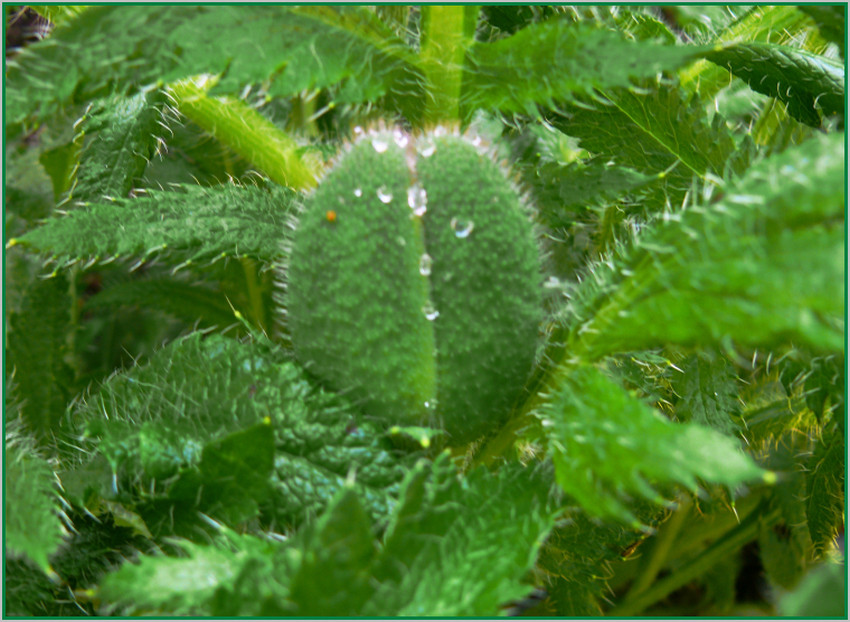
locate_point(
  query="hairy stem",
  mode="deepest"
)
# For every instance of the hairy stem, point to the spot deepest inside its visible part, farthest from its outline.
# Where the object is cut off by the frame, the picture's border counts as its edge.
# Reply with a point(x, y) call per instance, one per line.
point(248, 133)
point(445, 37)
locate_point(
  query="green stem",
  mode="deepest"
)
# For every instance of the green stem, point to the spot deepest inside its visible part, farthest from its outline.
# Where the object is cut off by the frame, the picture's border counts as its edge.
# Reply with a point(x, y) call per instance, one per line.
point(662, 544)
point(248, 133)
point(723, 547)
point(445, 37)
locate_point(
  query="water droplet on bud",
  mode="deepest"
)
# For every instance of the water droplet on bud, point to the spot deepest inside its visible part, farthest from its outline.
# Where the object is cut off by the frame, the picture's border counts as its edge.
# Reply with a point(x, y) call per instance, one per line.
point(425, 264)
point(430, 312)
point(379, 144)
point(384, 194)
point(400, 138)
point(461, 227)
point(417, 199)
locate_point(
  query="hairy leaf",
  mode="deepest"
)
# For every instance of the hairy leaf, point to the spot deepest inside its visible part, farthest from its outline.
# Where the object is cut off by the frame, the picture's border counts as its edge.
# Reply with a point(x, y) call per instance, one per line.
point(825, 489)
point(565, 192)
point(298, 47)
point(36, 349)
point(333, 578)
point(189, 224)
point(432, 562)
point(761, 24)
point(182, 585)
point(656, 132)
point(806, 82)
point(191, 302)
point(708, 393)
point(125, 136)
point(187, 443)
point(31, 511)
point(194, 423)
point(575, 551)
point(608, 446)
point(557, 60)
point(762, 265)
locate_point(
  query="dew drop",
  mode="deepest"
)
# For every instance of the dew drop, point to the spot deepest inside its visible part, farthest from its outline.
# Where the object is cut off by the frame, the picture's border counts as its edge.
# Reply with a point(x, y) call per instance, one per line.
point(462, 227)
point(440, 131)
point(401, 241)
point(417, 199)
point(552, 282)
point(428, 149)
point(358, 192)
point(384, 194)
point(400, 138)
point(379, 144)
point(425, 264)
point(430, 312)
point(476, 142)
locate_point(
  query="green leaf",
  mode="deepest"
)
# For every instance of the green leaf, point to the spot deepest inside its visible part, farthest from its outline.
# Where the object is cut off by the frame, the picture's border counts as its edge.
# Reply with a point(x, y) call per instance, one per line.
point(566, 192)
point(32, 527)
point(191, 426)
point(333, 578)
point(754, 24)
point(182, 585)
point(762, 265)
point(608, 446)
point(182, 435)
point(188, 224)
point(557, 60)
point(576, 550)
point(805, 82)
point(124, 139)
point(455, 546)
point(782, 555)
point(297, 47)
point(232, 477)
point(657, 131)
point(36, 349)
point(709, 392)
point(182, 298)
point(825, 479)
point(60, 163)
point(461, 547)
point(821, 594)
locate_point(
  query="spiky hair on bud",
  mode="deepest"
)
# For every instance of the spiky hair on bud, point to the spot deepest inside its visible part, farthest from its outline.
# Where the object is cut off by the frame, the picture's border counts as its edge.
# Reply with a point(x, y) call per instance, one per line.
point(421, 296)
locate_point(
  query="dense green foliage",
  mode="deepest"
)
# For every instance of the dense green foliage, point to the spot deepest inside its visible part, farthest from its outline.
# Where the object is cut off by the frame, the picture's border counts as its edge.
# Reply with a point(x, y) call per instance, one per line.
point(425, 311)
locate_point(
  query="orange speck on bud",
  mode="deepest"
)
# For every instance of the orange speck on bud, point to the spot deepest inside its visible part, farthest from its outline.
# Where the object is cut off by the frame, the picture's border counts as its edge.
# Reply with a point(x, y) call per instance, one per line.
point(330, 215)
